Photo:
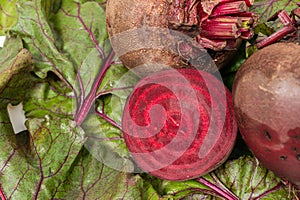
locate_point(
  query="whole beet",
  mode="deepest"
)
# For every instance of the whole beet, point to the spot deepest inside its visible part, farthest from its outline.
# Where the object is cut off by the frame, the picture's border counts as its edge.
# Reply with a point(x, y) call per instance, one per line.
point(158, 31)
point(127, 15)
point(266, 95)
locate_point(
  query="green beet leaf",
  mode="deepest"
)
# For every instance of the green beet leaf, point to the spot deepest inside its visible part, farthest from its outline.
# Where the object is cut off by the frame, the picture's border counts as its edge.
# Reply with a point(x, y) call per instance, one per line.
point(248, 179)
point(8, 16)
point(36, 161)
point(49, 161)
point(82, 31)
point(90, 179)
point(266, 9)
point(40, 40)
point(243, 178)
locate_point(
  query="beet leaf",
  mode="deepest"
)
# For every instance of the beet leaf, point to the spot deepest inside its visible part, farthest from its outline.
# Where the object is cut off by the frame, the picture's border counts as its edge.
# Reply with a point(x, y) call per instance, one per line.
point(244, 177)
point(8, 16)
point(49, 160)
point(35, 162)
point(58, 62)
point(267, 8)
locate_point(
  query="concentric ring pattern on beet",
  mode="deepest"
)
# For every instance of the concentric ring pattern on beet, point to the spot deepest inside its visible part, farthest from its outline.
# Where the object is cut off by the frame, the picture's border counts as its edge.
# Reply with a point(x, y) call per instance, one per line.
point(178, 124)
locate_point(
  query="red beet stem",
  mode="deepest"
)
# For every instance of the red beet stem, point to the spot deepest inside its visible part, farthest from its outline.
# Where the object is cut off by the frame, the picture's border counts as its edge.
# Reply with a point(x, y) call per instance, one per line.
point(211, 44)
point(228, 20)
point(236, 20)
point(2, 195)
point(247, 35)
point(285, 18)
point(217, 30)
point(296, 12)
point(247, 21)
point(230, 8)
point(246, 15)
point(276, 36)
point(88, 102)
point(108, 119)
point(249, 3)
point(243, 30)
point(226, 194)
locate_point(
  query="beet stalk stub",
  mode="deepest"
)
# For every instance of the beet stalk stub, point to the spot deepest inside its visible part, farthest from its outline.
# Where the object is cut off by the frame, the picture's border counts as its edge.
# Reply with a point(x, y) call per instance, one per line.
point(213, 24)
point(179, 124)
point(266, 95)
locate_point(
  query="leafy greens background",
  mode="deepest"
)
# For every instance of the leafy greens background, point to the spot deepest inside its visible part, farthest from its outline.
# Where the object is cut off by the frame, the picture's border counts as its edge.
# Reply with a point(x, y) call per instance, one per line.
point(53, 56)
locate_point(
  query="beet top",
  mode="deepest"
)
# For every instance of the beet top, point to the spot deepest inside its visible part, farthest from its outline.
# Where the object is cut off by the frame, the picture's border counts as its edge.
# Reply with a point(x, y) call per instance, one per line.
point(216, 25)
point(179, 124)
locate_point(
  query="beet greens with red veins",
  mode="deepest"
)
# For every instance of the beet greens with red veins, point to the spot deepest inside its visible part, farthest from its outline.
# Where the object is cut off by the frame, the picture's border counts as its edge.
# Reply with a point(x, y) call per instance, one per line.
point(58, 62)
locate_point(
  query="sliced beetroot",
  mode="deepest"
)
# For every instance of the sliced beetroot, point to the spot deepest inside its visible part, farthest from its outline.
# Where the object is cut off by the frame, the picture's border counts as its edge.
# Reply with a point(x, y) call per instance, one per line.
point(266, 95)
point(179, 124)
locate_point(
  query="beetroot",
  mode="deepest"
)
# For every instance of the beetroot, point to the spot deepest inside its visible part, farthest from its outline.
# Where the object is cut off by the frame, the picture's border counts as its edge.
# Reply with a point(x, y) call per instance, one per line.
point(266, 95)
point(216, 25)
point(179, 124)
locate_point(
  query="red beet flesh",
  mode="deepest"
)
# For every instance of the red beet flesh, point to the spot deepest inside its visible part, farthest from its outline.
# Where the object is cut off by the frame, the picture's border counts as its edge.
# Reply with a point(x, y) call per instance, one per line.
point(266, 95)
point(179, 124)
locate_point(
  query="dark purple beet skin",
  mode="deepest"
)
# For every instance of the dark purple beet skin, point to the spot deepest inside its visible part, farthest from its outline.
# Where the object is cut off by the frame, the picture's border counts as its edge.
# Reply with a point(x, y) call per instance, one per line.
point(179, 124)
point(266, 95)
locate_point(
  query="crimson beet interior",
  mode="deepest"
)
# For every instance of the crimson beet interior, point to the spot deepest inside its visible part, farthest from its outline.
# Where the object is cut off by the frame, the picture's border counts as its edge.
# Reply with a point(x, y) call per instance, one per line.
point(179, 124)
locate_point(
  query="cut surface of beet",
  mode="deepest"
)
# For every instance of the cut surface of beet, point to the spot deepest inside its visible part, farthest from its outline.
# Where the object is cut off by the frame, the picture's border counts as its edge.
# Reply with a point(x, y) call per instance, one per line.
point(179, 124)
